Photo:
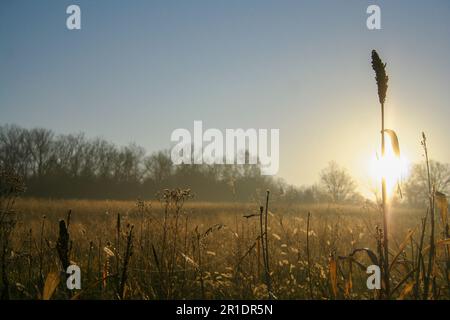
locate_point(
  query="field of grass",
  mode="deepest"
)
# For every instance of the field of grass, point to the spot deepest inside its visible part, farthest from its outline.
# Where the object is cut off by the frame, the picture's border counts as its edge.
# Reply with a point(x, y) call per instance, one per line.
point(180, 249)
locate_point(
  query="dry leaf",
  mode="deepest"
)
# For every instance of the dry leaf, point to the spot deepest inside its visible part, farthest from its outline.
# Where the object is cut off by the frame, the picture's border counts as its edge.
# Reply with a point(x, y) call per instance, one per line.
point(394, 141)
point(406, 290)
point(51, 283)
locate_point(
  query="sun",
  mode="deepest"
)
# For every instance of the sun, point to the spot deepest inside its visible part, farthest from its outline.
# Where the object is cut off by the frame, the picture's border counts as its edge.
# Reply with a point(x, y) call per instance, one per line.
point(392, 167)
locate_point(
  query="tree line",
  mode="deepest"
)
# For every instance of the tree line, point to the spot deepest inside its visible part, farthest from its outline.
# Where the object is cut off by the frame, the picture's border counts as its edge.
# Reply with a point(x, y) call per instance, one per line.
point(74, 166)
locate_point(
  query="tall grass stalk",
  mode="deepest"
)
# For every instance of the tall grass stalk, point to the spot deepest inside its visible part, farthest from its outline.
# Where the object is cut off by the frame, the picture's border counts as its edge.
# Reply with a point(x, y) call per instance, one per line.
point(263, 246)
point(432, 250)
point(269, 282)
point(308, 256)
point(382, 83)
point(41, 252)
point(126, 260)
point(263, 222)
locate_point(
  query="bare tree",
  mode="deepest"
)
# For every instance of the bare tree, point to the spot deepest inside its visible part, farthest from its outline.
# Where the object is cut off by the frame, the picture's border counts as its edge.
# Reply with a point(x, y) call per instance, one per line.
point(39, 143)
point(416, 187)
point(14, 151)
point(158, 166)
point(337, 182)
point(128, 163)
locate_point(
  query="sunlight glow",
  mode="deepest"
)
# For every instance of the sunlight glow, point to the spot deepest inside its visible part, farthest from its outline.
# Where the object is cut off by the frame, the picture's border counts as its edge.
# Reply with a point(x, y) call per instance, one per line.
point(393, 168)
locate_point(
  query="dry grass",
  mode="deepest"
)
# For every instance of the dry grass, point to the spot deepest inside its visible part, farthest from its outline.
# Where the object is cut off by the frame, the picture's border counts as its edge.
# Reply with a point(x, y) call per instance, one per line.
point(184, 249)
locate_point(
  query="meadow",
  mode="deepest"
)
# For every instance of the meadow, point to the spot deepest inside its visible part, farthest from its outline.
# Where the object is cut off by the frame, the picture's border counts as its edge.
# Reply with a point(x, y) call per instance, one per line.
point(177, 248)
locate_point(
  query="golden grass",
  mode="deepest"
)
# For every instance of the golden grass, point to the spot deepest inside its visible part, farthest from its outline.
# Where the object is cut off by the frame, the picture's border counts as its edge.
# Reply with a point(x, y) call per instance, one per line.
point(204, 250)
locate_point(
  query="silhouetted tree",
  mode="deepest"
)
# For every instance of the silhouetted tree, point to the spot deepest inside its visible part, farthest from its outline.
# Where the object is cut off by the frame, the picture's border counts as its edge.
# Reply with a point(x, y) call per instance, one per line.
point(416, 187)
point(338, 184)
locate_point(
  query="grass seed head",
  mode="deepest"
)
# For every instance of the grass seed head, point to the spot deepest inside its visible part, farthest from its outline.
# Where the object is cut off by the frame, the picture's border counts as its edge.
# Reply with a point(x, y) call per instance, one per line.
point(380, 76)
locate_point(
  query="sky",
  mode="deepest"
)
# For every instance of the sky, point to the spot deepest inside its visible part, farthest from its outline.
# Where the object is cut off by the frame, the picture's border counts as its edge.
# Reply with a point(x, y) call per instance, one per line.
point(137, 70)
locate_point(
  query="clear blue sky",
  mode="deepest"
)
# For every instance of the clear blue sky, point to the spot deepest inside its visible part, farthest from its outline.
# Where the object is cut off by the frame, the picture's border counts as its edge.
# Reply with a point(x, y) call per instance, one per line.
point(140, 69)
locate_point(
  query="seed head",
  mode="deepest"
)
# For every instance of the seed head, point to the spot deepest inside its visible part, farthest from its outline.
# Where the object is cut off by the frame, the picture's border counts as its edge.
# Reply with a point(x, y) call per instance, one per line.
point(380, 76)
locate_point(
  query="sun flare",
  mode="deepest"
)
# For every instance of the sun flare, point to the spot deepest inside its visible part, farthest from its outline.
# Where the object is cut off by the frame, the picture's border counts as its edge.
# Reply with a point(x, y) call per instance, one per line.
point(391, 167)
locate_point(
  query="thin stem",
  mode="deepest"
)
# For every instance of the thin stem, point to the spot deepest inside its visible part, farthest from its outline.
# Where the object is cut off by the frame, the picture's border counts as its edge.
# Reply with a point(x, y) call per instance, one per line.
point(431, 200)
point(269, 285)
point(308, 256)
point(385, 214)
point(261, 225)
